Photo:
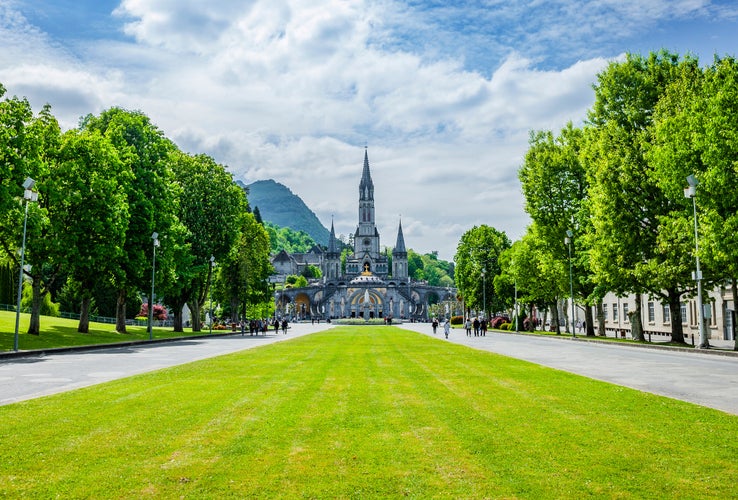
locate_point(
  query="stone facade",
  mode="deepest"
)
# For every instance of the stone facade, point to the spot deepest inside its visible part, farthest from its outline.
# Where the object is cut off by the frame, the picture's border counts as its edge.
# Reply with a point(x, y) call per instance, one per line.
point(368, 288)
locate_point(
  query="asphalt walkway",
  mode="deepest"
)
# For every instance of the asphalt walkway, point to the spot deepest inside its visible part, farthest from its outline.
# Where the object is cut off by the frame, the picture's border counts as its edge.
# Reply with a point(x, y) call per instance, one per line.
point(702, 377)
point(32, 376)
point(699, 377)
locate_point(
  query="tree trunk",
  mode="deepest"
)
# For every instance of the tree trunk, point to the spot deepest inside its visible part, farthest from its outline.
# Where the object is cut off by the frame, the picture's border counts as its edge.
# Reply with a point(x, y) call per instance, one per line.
point(565, 310)
point(195, 310)
point(177, 319)
point(589, 318)
point(234, 308)
point(636, 320)
point(120, 312)
point(601, 319)
point(677, 332)
point(84, 316)
point(555, 317)
point(34, 327)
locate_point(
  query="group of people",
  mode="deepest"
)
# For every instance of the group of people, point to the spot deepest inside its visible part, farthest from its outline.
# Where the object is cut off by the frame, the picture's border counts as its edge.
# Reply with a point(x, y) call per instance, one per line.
point(478, 326)
point(446, 326)
point(257, 326)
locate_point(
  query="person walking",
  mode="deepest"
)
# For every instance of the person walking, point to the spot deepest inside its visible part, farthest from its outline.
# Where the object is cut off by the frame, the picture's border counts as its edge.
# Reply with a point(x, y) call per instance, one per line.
point(434, 325)
point(447, 327)
point(468, 327)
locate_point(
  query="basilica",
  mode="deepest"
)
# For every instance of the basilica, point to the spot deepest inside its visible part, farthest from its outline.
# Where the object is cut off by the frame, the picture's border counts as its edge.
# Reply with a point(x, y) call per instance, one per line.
point(369, 285)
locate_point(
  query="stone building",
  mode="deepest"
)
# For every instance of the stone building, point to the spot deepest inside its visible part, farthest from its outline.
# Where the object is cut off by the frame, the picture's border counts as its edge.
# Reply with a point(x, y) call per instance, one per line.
point(368, 288)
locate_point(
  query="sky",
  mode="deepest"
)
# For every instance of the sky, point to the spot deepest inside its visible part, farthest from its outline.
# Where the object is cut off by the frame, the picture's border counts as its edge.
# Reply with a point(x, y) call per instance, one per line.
point(443, 94)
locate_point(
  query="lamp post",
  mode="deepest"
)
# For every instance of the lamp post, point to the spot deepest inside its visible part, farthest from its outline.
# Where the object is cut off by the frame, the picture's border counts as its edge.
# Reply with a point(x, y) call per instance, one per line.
point(484, 294)
point(155, 238)
point(517, 315)
point(567, 240)
point(210, 289)
point(29, 195)
point(691, 192)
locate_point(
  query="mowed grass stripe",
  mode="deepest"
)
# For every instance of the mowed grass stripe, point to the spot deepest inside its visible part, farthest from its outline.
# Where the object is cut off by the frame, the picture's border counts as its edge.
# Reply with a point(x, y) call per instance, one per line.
point(358, 412)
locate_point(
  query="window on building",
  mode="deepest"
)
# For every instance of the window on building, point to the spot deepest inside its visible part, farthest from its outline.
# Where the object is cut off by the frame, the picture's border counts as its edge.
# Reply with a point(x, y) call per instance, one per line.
point(683, 309)
point(651, 312)
point(604, 311)
point(614, 311)
point(625, 312)
point(667, 313)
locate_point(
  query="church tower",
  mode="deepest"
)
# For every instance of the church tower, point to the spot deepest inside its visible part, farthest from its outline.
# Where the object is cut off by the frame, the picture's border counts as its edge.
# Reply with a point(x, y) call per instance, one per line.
point(332, 268)
point(399, 257)
point(366, 239)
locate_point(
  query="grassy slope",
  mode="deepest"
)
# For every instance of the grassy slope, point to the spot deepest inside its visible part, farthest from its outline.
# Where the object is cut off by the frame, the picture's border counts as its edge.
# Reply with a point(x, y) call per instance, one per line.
point(60, 332)
point(360, 412)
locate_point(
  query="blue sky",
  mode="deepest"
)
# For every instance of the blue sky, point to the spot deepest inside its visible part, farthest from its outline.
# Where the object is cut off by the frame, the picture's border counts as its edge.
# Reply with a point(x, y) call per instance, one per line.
point(443, 93)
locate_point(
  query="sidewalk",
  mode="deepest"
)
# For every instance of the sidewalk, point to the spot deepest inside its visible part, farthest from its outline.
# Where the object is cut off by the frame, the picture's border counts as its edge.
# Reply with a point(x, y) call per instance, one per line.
point(703, 377)
point(36, 374)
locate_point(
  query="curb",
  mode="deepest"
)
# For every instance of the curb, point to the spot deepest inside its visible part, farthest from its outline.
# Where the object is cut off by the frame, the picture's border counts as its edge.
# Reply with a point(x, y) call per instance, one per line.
point(98, 347)
point(595, 340)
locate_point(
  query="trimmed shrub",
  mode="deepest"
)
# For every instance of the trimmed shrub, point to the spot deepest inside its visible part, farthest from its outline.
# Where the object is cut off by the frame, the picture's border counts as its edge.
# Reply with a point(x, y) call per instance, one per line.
point(505, 326)
point(457, 320)
point(496, 322)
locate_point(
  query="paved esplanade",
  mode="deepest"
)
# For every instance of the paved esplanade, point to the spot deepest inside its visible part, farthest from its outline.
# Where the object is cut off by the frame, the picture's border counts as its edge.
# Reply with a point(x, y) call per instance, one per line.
point(705, 379)
point(702, 378)
point(33, 376)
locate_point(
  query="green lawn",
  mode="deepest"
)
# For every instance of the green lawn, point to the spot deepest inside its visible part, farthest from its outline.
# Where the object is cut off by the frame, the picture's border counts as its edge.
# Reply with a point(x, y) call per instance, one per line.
point(60, 332)
point(363, 412)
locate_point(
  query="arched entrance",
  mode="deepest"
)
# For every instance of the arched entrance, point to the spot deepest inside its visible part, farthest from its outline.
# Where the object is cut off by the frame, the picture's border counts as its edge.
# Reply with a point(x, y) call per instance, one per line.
point(366, 304)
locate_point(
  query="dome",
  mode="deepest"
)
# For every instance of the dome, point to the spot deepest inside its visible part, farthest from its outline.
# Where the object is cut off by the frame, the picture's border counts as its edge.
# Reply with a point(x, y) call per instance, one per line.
point(367, 279)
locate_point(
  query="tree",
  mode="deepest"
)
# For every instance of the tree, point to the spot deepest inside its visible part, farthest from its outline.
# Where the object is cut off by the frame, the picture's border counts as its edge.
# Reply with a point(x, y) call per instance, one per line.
point(210, 207)
point(477, 264)
point(21, 152)
point(556, 190)
point(639, 244)
point(243, 276)
point(151, 195)
point(695, 130)
point(88, 211)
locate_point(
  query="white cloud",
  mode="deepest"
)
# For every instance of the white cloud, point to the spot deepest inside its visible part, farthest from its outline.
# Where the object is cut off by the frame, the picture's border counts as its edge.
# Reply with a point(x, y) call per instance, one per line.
point(292, 90)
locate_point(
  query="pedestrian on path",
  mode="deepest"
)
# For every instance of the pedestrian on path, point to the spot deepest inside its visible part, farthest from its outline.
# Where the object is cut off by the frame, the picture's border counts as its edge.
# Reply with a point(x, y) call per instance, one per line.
point(446, 327)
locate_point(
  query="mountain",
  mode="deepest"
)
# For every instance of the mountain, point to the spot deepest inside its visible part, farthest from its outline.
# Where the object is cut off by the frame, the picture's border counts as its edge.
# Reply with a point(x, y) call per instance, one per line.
point(280, 206)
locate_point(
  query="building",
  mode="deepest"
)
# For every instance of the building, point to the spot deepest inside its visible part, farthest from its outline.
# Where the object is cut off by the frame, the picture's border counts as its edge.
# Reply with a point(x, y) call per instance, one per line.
point(368, 286)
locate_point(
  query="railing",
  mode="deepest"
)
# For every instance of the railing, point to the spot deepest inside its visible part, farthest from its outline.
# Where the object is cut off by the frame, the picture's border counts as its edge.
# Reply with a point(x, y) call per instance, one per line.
point(101, 319)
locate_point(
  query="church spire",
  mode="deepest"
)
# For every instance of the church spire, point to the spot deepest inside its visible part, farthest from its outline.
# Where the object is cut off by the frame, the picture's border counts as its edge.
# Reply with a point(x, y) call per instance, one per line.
point(366, 186)
point(332, 240)
point(400, 245)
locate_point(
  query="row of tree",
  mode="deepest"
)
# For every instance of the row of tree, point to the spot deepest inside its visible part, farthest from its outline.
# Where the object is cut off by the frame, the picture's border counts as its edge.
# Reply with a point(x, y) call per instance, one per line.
point(103, 189)
point(617, 185)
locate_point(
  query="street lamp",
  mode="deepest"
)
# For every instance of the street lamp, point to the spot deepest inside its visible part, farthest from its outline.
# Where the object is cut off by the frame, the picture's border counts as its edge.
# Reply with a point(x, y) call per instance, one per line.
point(210, 277)
point(484, 295)
point(155, 238)
point(567, 240)
point(29, 195)
point(691, 192)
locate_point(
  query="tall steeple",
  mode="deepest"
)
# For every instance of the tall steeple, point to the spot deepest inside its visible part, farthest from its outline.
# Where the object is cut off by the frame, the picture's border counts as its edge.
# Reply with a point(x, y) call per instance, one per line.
point(332, 240)
point(400, 245)
point(366, 186)
point(332, 266)
point(399, 257)
point(366, 234)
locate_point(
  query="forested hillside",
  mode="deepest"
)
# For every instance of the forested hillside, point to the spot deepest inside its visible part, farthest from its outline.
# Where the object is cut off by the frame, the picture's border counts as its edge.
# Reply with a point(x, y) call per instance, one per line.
point(280, 206)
